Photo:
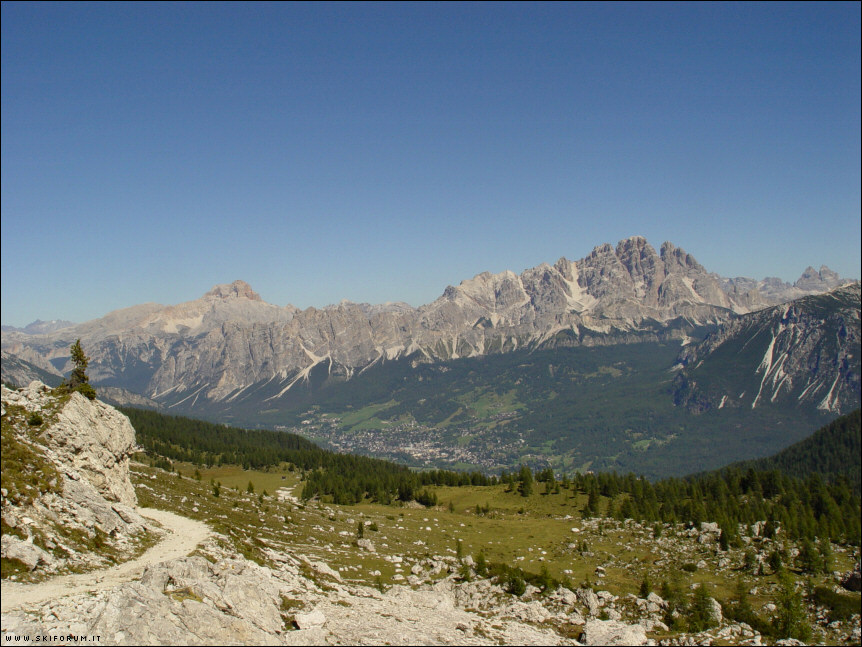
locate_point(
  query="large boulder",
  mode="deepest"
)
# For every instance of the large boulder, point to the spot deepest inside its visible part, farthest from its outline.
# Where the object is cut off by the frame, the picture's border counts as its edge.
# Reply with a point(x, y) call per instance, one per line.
point(613, 632)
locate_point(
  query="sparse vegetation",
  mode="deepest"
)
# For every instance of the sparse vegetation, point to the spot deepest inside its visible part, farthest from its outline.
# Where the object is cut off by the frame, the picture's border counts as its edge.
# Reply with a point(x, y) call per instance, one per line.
point(25, 472)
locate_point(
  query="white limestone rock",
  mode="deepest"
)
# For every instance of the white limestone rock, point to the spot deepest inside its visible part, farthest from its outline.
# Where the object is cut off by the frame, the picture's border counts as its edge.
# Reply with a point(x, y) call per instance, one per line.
point(613, 632)
point(26, 552)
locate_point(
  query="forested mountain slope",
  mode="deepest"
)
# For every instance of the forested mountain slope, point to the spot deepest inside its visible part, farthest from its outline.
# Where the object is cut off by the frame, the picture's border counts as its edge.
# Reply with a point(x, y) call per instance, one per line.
point(834, 451)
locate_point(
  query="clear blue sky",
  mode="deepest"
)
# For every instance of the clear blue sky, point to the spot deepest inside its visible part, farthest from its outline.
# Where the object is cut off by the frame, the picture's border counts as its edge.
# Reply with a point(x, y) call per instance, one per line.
point(378, 152)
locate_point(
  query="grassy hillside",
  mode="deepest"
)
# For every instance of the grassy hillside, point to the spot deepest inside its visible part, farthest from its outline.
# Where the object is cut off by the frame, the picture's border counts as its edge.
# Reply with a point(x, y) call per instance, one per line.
point(805, 508)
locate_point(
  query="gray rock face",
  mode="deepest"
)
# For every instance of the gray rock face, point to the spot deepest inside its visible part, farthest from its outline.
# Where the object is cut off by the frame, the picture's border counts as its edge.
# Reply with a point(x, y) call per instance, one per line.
point(590, 600)
point(96, 441)
point(230, 346)
point(194, 601)
point(89, 444)
point(25, 552)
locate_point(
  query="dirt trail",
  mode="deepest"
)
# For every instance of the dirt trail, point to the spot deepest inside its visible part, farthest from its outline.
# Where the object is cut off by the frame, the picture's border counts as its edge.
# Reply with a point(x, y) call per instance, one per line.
point(182, 536)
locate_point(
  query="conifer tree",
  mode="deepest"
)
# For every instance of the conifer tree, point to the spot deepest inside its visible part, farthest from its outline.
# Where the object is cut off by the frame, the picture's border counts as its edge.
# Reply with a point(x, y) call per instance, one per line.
point(526, 478)
point(78, 379)
point(791, 620)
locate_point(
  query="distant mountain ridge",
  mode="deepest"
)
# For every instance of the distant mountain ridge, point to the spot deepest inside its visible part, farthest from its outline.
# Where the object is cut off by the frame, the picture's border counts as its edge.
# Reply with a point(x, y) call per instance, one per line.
point(230, 345)
point(773, 290)
point(807, 350)
point(40, 327)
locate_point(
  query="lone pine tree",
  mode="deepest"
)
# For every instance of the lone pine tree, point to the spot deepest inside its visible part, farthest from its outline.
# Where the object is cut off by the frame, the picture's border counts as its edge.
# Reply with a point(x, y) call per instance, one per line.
point(78, 379)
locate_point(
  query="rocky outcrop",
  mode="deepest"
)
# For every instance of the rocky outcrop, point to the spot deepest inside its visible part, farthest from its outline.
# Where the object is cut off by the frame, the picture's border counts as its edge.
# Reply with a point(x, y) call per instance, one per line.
point(83, 499)
point(95, 441)
point(613, 632)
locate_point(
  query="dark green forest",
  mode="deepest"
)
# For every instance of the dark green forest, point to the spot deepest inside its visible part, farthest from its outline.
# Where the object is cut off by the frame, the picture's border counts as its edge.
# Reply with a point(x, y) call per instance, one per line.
point(602, 408)
point(833, 452)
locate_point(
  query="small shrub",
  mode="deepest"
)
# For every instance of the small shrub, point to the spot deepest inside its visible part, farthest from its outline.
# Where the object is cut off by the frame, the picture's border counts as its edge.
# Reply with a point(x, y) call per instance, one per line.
point(739, 608)
point(35, 419)
point(86, 390)
point(791, 619)
point(544, 580)
point(481, 565)
point(516, 585)
point(645, 587)
point(700, 611)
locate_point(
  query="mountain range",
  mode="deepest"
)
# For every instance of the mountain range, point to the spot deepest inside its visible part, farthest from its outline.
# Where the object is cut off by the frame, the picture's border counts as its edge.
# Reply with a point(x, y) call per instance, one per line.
point(627, 359)
point(230, 341)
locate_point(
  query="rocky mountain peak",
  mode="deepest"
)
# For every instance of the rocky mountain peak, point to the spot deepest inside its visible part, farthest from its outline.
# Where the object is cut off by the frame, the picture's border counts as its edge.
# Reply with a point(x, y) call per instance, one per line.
point(823, 279)
point(233, 290)
point(231, 339)
point(678, 257)
point(639, 258)
point(634, 242)
point(600, 251)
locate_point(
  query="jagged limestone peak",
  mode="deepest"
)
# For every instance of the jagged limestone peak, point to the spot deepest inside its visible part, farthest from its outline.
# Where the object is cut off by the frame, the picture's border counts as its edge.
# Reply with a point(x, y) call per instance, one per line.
point(233, 290)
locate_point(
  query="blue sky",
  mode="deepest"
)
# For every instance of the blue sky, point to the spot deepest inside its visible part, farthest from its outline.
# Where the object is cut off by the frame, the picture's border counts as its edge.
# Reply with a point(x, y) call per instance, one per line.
point(379, 152)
